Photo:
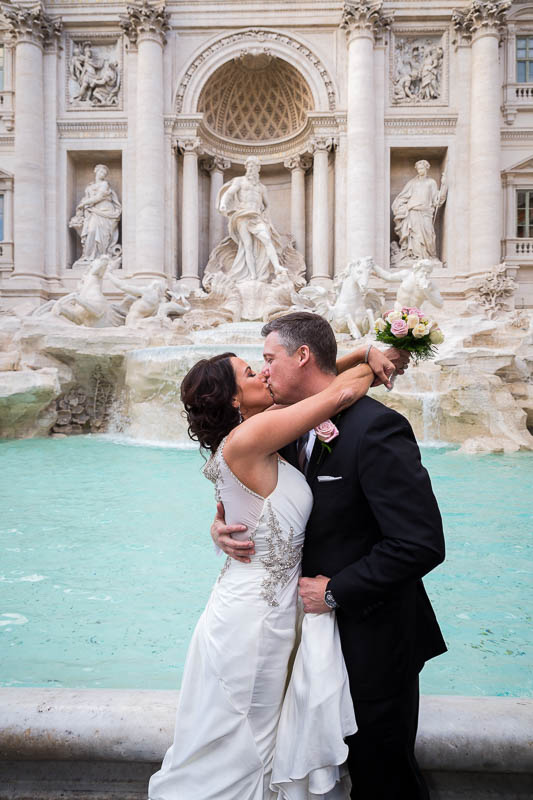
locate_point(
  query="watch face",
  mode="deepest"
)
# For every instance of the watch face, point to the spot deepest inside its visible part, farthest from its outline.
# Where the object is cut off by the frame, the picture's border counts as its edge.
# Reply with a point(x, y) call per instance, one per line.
point(329, 599)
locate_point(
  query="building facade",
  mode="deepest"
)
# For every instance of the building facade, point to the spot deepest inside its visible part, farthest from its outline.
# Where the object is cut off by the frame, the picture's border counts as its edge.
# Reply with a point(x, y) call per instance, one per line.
point(338, 100)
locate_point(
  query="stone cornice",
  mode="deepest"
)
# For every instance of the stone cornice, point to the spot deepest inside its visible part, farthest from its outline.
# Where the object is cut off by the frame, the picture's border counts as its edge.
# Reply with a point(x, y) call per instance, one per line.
point(409, 125)
point(31, 24)
point(145, 20)
point(364, 17)
point(481, 16)
point(117, 129)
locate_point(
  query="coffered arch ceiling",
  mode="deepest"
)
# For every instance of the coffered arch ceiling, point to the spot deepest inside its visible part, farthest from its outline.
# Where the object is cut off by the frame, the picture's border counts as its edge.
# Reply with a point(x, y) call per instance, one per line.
point(255, 98)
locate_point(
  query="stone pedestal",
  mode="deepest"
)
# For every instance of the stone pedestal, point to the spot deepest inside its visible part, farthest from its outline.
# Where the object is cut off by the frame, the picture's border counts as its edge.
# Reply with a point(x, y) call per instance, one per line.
point(362, 20)
point(145, 26)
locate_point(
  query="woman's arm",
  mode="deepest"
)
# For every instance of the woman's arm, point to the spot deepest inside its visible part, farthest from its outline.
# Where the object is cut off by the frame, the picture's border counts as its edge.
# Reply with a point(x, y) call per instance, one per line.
point(383, 364)
point(261, 436)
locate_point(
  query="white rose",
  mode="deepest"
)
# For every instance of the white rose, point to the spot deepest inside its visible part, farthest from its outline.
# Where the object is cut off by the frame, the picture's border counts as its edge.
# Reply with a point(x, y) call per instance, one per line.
point(436, 336)
point(419, 331)
point(394, 315)
point(380, 324)
point(412, 320)
point(433, 325)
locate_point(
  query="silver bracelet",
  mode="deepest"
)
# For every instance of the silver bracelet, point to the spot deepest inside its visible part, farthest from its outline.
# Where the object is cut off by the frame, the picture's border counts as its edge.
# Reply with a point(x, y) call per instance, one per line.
point(367, 352)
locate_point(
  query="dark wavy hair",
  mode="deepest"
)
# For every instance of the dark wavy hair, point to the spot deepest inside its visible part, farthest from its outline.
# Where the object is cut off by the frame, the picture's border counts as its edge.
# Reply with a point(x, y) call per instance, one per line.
point(206, 393)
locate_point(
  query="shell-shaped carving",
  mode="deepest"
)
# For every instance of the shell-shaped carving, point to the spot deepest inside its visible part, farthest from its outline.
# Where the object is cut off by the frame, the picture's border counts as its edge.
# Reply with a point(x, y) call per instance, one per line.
point(255, 98)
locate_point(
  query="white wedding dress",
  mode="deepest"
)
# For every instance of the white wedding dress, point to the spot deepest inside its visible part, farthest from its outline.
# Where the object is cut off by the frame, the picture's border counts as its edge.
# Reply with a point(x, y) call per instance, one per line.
point(242, 733)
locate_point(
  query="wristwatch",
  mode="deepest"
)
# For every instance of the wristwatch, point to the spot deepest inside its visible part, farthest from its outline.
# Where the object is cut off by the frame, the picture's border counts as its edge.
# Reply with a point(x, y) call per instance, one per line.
point(329, 599)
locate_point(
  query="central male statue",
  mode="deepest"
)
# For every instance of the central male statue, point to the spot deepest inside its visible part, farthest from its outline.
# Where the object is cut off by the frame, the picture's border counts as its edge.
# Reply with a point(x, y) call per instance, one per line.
point(244, 201)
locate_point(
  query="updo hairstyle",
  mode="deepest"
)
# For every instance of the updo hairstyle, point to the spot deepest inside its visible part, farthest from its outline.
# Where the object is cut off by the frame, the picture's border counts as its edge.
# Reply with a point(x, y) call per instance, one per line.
point(207, 392)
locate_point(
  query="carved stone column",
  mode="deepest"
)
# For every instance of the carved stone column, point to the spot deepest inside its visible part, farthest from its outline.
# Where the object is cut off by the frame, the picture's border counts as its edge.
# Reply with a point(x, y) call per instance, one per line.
point(320, 147)
point(145, 25)
point(362, 20)
point(30, 29)
point(483, 22)
point(215, 166)
point(298, 166)
point(191, 149)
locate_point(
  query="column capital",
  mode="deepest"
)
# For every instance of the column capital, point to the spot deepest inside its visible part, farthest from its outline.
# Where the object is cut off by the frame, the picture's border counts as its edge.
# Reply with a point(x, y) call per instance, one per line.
point(301, 161)
point(481, 17)
point(145, 20)
point(215, 163)
point(31, 24)
point(190, 144)
point(321, 144)
point(364, 18)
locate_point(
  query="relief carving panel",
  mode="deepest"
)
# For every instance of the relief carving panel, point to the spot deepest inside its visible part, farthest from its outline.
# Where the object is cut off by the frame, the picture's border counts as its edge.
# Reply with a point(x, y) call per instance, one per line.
point(418, 74)
point(94, 73)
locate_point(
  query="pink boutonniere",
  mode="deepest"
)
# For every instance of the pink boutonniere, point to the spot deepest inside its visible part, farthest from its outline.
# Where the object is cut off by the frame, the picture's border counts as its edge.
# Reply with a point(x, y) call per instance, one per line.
point(325, 433)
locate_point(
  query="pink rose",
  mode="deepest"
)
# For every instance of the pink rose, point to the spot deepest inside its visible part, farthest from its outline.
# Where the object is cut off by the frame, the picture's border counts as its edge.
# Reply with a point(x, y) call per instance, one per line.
point(399, 328)
point(386, 314)
point(326, 431)
point(416, 311)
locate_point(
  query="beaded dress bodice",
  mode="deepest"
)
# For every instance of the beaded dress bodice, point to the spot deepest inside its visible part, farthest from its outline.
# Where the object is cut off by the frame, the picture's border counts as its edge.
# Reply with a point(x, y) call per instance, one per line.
point(276, 524)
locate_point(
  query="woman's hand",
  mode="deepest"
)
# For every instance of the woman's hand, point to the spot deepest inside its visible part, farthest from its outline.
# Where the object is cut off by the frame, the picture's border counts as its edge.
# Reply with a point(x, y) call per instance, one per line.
point(383, 365)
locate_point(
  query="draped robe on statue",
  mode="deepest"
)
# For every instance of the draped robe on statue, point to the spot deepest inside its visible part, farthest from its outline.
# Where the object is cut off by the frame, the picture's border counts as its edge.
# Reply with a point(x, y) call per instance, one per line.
point(414, 210)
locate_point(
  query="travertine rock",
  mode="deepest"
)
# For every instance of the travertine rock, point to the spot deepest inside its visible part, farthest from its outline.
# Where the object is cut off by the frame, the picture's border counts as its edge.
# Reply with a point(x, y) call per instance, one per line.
point(27, 406)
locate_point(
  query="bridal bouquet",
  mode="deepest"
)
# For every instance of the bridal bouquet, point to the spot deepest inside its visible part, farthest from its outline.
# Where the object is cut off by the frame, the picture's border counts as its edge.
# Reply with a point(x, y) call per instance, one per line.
point(409, 329)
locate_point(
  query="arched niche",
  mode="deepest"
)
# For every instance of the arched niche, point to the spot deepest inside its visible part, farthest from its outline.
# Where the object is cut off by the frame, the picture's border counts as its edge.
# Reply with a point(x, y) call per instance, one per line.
point(254, 41)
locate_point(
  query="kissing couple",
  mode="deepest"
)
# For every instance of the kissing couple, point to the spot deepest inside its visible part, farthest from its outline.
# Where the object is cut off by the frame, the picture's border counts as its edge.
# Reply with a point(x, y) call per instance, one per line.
point(323, 502)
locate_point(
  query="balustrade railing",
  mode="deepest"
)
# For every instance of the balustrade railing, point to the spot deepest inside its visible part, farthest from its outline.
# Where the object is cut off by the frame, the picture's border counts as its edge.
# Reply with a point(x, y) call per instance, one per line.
point(518, 250)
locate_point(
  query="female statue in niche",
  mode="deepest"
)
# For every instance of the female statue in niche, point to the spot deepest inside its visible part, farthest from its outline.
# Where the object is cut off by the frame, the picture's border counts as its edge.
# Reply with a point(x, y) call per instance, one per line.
point(415, 209)
point(96, 219)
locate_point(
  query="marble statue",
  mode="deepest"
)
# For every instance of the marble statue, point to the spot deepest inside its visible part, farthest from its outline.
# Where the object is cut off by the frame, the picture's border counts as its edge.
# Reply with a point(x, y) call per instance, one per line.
point(96, 219)
point(355, 305)
point(351, 306)
point(98, 82)
point(415, 286)
point(244, 202)
point(260, 267)
point(149, 302)
point(414, 210)
point(87, 305)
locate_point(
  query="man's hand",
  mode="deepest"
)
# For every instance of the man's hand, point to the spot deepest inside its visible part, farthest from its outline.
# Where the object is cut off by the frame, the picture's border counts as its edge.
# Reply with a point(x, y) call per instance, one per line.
point(312, 593)
point(383, 365)
point(221, 535)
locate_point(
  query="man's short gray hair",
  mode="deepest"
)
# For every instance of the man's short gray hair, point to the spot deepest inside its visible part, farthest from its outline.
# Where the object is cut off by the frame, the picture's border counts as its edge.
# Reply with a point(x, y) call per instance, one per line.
point(302, 327)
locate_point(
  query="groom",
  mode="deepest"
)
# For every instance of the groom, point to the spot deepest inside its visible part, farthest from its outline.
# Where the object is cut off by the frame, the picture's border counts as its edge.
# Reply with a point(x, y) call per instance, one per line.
point(374, 531)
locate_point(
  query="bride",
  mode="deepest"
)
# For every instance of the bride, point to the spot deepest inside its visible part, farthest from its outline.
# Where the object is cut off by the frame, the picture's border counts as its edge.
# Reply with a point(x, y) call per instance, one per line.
point(230, 743)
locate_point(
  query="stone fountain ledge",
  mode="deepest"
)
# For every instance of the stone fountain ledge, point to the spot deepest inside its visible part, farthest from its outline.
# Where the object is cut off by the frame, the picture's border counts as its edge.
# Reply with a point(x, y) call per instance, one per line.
point(90, 743)
point(477, 393)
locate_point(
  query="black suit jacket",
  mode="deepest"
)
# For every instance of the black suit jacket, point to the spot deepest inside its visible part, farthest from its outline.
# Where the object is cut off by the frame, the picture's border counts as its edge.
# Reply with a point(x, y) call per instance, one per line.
point(375, 533)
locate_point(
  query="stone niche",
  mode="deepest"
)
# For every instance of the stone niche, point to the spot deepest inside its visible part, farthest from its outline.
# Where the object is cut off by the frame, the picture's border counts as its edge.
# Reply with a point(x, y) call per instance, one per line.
point(402, 169)
point(80, 172)
point(277, 180)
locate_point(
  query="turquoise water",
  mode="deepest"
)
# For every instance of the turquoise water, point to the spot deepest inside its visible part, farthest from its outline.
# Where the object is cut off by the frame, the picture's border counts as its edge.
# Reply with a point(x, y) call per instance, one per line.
point(106, 563)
